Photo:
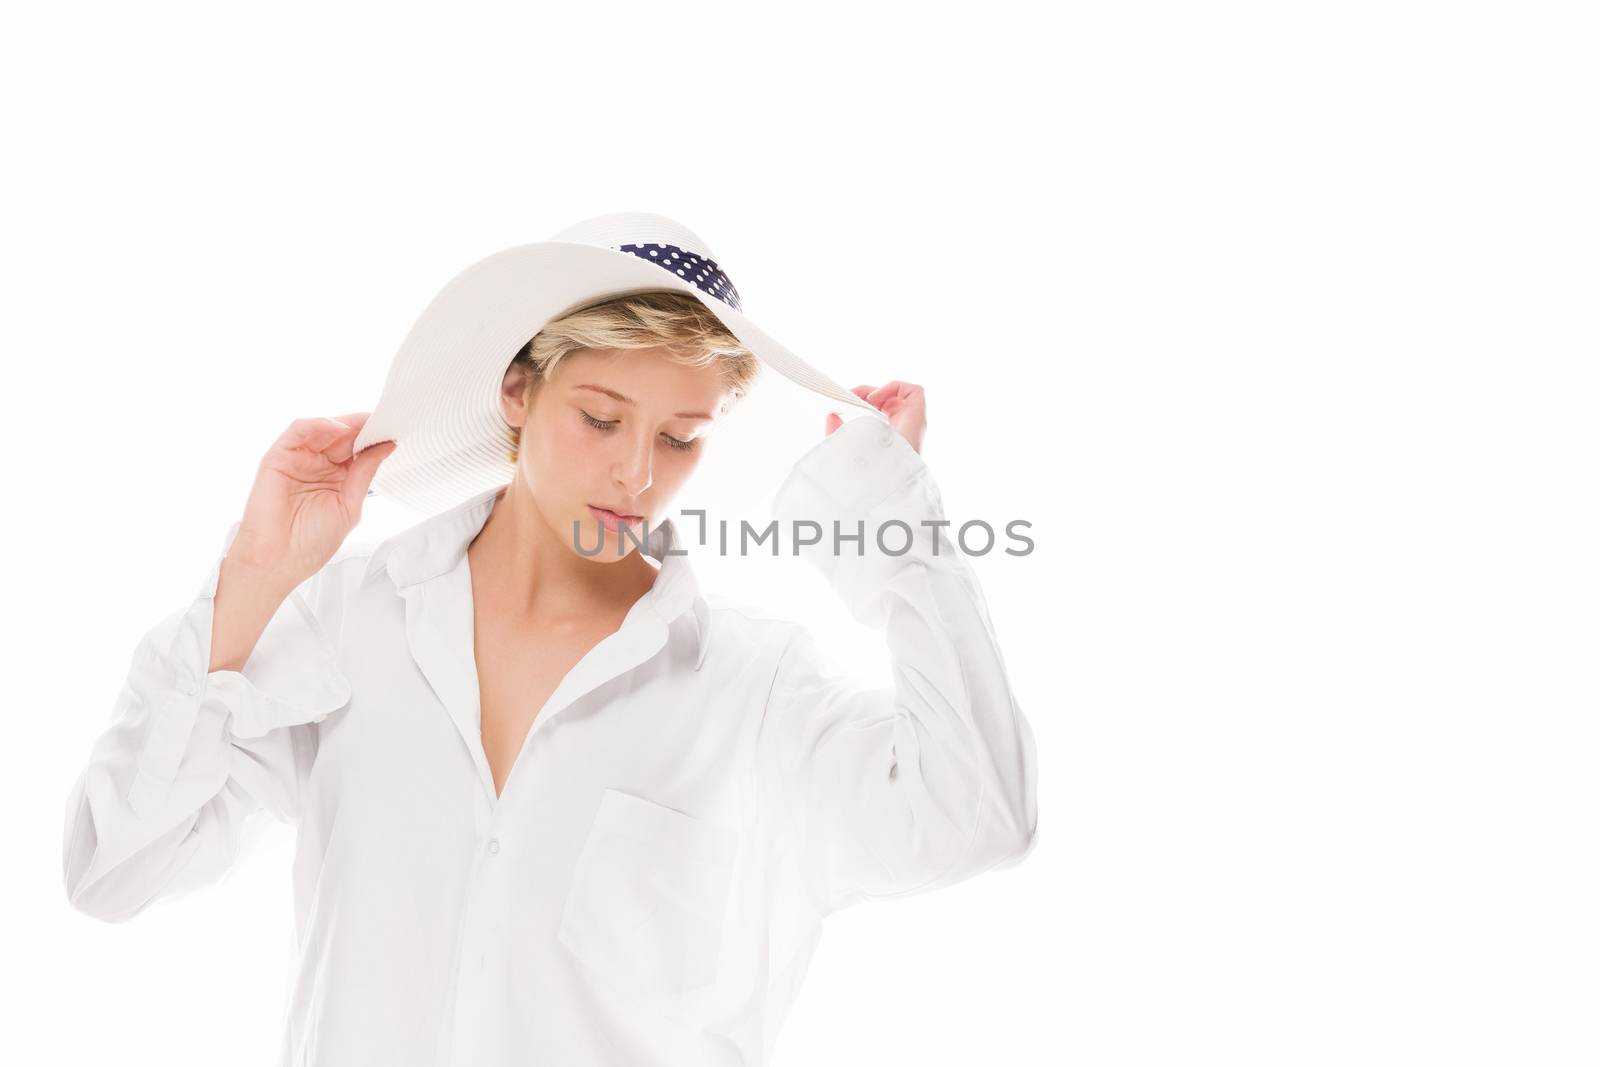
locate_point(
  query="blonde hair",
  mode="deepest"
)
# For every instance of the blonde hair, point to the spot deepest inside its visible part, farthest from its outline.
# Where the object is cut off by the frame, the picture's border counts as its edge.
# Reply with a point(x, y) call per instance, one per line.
point(688, 331)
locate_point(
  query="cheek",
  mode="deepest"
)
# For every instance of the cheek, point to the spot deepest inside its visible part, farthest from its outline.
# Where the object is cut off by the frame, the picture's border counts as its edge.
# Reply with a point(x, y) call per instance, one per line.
point(570, 437)
point(552, 453)
point(677, 468)
point(563, 442)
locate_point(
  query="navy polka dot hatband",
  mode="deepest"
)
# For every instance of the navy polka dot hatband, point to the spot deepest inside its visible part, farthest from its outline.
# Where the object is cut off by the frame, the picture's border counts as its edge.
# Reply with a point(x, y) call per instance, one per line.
point(704, 273)
point(441, 400)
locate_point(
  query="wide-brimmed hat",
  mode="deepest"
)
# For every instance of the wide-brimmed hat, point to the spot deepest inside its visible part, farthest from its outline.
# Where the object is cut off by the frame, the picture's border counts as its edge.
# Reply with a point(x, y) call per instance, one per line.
point(441, 402)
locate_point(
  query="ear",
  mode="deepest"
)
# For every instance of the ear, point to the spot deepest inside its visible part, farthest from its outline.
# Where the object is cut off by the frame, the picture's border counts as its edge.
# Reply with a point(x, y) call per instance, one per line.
point(514, 394)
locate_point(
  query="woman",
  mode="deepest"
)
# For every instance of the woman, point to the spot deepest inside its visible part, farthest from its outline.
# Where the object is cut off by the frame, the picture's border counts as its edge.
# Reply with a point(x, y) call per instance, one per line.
point(552, 802)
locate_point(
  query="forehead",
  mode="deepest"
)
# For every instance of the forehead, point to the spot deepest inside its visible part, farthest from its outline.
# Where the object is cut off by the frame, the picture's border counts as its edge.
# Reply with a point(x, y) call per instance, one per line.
point(642, 378)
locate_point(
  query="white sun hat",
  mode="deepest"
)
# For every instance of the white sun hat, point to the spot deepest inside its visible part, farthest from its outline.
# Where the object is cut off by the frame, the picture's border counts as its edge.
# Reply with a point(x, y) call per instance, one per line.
point(441, 401)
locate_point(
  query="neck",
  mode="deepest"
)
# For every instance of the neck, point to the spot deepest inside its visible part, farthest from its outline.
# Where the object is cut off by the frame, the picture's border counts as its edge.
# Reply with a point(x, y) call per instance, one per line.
point(536, 573)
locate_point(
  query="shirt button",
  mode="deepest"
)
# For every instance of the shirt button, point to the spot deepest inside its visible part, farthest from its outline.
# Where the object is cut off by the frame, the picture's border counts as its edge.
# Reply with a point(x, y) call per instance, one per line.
point(494, 846)
point(861, 461)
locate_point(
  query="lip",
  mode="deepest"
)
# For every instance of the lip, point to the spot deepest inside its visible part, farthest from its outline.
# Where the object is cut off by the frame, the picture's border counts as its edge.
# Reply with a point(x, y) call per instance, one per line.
point(612, 520)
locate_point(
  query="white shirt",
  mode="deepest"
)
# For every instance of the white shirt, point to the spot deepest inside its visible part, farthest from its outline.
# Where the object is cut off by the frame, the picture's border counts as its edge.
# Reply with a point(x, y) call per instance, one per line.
point(697, 794)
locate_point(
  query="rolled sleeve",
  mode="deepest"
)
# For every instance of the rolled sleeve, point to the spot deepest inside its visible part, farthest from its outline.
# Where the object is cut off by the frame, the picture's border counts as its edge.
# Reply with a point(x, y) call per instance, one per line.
point(190, 754)
point(292, 676)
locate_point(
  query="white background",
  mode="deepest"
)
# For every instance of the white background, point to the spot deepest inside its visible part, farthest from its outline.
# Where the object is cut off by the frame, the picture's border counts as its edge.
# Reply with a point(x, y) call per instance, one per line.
point(1276, 320)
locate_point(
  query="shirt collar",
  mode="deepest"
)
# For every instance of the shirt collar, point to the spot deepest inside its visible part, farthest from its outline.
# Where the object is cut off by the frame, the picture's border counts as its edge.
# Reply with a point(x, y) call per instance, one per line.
point(435, 545)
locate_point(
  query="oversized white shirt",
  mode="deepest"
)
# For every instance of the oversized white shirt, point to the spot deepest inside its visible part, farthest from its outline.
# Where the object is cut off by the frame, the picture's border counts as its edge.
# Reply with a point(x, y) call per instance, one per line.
point(695, 797)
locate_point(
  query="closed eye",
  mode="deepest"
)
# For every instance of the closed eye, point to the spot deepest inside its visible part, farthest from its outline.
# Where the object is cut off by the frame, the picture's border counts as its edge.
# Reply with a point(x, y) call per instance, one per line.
point(682, 446)
point(610, 424)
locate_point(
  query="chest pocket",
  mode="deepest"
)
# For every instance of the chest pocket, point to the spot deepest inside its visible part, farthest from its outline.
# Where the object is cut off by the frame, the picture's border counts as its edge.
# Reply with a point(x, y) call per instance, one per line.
point(648, 896)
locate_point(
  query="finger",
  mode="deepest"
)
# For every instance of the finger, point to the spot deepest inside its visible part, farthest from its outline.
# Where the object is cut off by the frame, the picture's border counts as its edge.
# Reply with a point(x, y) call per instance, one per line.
point(343, 447)
point(331, 436)
point(355, 420)
point(887, 389)
point(832, 423)
point(862, 391)
point(311, 433)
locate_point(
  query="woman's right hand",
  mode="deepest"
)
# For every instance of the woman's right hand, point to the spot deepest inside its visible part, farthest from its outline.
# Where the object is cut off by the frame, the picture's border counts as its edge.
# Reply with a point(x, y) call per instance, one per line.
point(307, 497)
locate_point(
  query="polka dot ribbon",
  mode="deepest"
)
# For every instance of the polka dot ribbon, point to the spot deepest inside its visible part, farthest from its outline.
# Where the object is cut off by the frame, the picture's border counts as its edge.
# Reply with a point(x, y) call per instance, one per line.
point(690, 266)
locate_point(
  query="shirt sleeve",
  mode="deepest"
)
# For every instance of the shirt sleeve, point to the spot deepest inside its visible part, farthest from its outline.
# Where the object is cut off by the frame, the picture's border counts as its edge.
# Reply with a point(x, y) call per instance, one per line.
point(190, 755)
point(922, 784)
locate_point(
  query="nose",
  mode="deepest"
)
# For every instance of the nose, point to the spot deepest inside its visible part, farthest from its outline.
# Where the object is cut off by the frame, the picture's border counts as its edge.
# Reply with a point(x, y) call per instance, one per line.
point(634, 473)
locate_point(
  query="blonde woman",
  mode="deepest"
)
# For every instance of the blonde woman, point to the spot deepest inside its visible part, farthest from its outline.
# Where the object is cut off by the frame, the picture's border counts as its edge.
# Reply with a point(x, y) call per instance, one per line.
point(553, 802)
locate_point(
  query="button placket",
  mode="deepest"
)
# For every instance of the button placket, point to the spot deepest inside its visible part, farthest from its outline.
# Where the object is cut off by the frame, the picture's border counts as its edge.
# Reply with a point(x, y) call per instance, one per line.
point(495, 889)
point(477, 932)
point(468, 996)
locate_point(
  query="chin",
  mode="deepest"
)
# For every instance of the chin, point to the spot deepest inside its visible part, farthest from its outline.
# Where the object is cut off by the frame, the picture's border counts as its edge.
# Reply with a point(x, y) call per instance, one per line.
point(615, 546)
point(609, 555)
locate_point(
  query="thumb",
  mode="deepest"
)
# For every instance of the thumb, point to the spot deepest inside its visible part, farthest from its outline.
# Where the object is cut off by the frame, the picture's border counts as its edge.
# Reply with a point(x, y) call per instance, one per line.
point(362, 468)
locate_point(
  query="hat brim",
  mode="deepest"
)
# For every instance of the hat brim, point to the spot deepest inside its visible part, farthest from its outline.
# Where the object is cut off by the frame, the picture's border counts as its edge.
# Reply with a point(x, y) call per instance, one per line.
point(441, 400)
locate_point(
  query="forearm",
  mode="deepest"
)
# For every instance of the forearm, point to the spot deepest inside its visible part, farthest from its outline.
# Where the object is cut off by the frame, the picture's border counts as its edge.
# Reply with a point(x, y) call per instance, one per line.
point(247, 598)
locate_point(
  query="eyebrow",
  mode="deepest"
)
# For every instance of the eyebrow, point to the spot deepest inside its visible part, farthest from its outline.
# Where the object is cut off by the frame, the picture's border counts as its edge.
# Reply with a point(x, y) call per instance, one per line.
point(613, 394)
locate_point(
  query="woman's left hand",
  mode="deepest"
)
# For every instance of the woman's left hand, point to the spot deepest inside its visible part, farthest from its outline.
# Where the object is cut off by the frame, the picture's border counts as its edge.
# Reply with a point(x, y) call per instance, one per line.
point(902, 402)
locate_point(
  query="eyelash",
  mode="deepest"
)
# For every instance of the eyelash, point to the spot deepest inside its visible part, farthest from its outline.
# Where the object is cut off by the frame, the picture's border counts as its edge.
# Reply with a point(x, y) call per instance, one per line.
point(673, 442)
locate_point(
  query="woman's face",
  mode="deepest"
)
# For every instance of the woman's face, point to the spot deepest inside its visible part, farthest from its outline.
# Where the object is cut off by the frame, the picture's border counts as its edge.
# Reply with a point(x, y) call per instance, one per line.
point(615, 429)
